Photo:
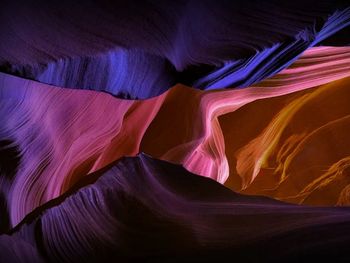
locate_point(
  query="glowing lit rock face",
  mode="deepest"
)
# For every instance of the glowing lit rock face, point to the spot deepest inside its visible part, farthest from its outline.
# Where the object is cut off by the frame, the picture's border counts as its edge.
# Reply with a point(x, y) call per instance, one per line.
point(127, 128)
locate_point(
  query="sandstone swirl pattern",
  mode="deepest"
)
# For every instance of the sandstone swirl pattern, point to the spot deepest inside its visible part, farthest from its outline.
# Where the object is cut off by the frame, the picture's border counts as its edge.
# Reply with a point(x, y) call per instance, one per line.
point(175, 131)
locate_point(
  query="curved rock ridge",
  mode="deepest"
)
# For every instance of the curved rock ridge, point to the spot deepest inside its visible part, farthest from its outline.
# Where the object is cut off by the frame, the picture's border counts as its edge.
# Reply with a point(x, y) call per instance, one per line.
point(101, 45)
point(50, 137)
point(206, 146)
point(141, 208)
